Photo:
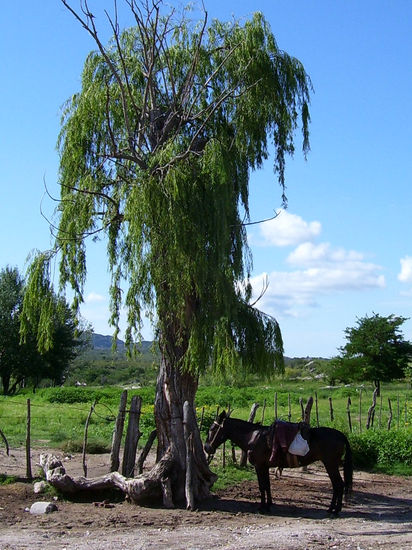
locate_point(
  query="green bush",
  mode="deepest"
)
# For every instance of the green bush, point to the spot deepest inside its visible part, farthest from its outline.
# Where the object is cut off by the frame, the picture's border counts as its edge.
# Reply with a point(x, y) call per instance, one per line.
point(382, 450)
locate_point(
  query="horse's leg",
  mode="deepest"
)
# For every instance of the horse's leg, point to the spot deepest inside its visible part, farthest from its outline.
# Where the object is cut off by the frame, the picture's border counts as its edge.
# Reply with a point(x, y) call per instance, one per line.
point(264, 488)
point(337, 486)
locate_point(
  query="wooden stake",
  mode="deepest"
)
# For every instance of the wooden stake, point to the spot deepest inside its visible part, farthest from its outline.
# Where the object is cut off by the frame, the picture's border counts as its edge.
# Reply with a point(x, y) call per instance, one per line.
point(132, 437)
point(252, 414)
point(308, 409)
point(189, 493)
point(331, 409)
point(360, 411)
point(289, 408)
point(348, 412)
point(317, 409)
point(86, 428)
point(28, 457)
point(117, 433)
point(145, 451)
point(276, 406)
point(390, 414)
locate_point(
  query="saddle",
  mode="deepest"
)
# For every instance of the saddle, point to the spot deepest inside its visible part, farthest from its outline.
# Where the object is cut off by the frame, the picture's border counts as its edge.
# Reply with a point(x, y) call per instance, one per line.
point(280, 436)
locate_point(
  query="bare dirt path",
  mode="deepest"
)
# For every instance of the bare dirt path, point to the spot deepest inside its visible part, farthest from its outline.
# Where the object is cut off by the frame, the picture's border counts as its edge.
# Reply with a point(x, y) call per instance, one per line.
point(379, 516)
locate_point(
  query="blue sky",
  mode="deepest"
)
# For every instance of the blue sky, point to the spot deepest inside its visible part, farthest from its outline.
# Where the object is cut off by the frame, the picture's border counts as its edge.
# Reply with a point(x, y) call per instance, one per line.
point(342, 249)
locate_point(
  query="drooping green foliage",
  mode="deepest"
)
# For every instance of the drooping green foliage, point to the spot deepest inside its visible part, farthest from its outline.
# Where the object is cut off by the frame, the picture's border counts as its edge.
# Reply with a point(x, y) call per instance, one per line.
point(156, 151)
point(20, 360)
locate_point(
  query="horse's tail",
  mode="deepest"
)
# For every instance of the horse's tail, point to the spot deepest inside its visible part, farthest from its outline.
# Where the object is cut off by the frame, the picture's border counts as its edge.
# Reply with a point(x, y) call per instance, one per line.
point(348, 469)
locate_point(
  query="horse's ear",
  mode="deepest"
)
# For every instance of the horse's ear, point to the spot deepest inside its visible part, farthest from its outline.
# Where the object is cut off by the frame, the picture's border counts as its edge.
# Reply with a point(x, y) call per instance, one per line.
point(230, 412)
point(222, 416)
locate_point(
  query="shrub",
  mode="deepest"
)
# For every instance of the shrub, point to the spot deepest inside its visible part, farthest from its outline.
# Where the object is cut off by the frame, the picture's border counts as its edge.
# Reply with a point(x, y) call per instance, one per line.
point(382, 449)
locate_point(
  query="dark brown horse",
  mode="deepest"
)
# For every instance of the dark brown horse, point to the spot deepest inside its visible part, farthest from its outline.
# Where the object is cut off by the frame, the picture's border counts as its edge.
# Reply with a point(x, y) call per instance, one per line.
point(325, 444)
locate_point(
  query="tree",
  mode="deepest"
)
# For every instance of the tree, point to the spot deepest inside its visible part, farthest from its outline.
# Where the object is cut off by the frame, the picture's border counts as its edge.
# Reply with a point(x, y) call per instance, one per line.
point(20, 361)
point(375, 351)
point(156, 150)
point(12, 356)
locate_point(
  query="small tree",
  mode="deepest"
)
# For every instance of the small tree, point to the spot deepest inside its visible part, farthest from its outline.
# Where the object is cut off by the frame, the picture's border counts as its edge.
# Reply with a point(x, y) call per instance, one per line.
point(21, 361)
point(375, 351)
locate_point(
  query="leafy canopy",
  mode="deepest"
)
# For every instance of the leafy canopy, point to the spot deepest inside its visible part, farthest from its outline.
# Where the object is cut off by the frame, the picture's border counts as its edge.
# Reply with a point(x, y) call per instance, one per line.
point(156, 151)
point(375, 350)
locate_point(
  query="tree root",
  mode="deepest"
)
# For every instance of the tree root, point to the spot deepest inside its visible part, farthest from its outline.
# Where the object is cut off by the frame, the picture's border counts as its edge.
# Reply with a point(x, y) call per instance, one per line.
point(153, 487)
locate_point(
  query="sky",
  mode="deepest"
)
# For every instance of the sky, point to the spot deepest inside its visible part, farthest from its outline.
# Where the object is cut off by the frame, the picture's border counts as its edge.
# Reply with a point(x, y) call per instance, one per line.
point(343, 247)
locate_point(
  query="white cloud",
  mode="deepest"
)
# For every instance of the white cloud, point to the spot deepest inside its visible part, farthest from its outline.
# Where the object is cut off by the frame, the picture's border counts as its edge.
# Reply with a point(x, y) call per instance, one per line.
point(405, 276)
point(325, 271)
point(307, 254)
point(93, 297)
point(287, 230)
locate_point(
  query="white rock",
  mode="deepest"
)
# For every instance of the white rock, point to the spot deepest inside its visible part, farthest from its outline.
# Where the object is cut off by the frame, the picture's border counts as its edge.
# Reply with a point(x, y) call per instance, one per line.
point(43, 508)
point(39, 487)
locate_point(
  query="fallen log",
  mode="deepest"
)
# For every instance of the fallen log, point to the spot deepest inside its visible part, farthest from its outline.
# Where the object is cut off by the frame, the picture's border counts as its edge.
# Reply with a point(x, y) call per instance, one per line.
point(152, 487)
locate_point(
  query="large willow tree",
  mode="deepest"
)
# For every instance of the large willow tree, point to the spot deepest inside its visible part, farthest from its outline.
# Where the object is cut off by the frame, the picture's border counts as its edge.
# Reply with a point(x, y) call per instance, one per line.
point(156, 151)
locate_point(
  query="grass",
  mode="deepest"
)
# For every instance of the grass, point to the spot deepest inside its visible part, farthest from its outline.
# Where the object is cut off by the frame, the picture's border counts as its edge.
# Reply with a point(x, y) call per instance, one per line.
point(58, 415)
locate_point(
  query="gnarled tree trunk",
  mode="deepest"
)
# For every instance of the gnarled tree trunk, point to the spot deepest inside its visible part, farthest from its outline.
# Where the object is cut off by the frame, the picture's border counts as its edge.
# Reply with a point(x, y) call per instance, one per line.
point(173, 389)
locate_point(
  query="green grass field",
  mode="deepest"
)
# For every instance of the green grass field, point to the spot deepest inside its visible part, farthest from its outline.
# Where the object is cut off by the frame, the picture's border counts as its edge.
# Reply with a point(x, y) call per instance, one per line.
point(58, 416)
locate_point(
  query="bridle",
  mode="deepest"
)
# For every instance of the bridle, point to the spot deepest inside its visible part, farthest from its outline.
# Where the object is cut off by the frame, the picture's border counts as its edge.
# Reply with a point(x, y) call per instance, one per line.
point(215, 423)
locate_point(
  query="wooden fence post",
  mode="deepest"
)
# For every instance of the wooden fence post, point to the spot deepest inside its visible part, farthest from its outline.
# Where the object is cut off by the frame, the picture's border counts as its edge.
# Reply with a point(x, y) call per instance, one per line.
point(348, 412)
point(28, 457)
point(360, 411)
point(145, 451)
point(243, 458)
point(117, 433)
point(390, 414)
point(263, 412)
point(190, 501)
point(398, 411)
point(86, 428)
point(276, 406)
point(5, 442)
point(331, 409)
point(302, 412)
point(308, 409)
point(317, 409)
point(289, 408)
point(371, 411)
point(132, 437)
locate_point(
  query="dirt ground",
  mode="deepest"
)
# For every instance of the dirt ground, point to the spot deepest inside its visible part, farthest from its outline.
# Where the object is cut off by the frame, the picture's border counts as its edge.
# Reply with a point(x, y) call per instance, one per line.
point(379, 516)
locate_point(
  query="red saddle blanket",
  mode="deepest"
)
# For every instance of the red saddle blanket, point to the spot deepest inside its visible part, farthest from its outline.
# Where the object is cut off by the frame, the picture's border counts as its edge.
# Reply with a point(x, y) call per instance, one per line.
point(281, 436)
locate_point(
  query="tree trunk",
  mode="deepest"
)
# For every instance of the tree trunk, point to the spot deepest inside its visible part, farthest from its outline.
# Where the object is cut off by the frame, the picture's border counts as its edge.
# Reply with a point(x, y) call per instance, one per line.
point(173, 389)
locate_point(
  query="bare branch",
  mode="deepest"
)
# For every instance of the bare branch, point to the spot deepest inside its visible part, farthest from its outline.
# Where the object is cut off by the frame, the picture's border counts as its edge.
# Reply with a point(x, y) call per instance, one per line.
point(265, 286)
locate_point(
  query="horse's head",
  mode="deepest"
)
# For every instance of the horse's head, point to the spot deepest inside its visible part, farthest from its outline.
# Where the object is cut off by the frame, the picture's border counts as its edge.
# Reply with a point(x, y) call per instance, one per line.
point(216, 435)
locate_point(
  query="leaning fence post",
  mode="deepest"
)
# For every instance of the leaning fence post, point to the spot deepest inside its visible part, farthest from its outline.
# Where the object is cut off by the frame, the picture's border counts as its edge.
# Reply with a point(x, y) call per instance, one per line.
point(28, 458)
point(132, 437)
point(190, 501)
point(276, 406)
point(145, 451)
point(243, 458)
point(117, 433)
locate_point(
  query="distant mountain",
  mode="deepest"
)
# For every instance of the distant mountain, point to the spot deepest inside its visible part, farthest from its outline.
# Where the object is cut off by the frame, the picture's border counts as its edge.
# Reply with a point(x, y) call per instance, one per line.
point(100, 342)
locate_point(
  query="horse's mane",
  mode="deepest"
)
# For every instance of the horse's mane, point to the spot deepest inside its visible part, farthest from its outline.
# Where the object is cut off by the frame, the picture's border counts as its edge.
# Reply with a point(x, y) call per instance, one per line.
point(250, 425)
